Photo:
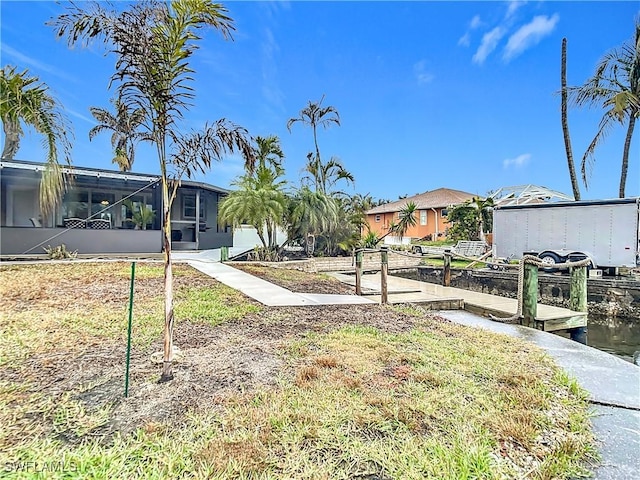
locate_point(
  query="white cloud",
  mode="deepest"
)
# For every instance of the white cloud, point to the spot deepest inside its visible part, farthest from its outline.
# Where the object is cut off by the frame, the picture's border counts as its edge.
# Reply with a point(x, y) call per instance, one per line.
point(519, 161)
point(514, 5)
point(25, 60)
point(271, 91)
point(425, 78)
point(489, 43)
point(465, 40)
point(80, 116)
point(529, 35)
point(422, 75)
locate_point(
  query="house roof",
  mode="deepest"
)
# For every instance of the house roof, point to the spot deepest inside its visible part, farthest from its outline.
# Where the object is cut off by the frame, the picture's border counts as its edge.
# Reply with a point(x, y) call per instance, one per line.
point(439, 198)
point(100, 173)
point(527, 194)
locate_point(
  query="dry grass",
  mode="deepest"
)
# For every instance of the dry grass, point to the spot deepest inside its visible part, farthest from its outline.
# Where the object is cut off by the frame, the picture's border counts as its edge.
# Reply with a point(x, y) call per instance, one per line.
point(314, 392)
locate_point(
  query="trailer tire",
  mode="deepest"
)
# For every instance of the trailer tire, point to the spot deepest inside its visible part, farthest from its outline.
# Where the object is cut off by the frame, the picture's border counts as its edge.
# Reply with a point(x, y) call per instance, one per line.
point(417, 250)
point(550, 259)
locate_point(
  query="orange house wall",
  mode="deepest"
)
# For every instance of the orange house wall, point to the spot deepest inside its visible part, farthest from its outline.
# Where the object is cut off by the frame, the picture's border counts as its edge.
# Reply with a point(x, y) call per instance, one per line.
point(417, 231)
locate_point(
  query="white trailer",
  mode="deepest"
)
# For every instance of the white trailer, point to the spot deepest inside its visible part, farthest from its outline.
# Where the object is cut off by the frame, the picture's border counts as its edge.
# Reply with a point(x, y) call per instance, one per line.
point(605, 231)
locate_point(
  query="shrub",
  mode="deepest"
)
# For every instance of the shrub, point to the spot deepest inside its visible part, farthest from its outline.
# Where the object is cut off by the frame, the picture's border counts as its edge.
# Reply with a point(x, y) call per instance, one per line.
point(60, 252)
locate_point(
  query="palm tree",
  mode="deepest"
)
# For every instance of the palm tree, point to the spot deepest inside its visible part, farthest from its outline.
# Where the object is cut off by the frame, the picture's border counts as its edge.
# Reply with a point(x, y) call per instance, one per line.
point(321, 175)
point(484, 209)
point(565, 123)
point(26, 100)
point(153, 42)
point(315, 115)
point(615, 86)
point(324, 176)
point(310, 214)
point(470, 218)
point(406, 219)
point(357, 206)
point(269, 152)
point(260, 199)
point(125, 125)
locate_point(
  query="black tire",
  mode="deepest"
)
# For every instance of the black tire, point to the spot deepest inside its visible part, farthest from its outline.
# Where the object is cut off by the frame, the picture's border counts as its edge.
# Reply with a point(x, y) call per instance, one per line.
point(549, 258)
point(417, 250)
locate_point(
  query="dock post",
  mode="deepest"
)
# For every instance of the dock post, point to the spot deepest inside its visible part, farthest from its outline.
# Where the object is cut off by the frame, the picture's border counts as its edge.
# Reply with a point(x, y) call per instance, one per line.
point(359, 255)
point(384, 268)
point(530, 295)
point(578, 300)
point(446, 271)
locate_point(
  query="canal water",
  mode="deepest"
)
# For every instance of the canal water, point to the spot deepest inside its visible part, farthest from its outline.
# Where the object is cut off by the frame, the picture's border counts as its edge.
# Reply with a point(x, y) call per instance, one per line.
point(618, 336)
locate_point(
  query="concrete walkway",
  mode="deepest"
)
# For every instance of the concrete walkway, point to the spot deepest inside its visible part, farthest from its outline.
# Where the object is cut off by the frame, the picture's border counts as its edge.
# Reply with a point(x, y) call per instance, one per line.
point(264, 292)
point(612, 383)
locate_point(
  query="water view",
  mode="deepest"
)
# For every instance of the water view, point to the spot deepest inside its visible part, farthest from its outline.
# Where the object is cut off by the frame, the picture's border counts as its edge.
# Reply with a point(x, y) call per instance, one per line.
point(618, 336)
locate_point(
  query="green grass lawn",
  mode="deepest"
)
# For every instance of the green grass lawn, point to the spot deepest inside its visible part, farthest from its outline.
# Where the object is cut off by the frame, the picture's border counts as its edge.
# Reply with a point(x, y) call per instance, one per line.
point(352, 392)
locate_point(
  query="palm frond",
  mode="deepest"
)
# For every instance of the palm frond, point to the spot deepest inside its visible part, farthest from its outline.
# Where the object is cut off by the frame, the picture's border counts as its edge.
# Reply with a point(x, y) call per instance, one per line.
point(614, 87)
point(24, 99)
point(588, 160)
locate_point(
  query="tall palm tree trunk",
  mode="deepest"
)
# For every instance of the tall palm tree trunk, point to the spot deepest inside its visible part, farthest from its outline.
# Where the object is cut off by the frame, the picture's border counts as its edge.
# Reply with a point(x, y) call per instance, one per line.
point(11, 138)
point(270, 234)
point(565, 124)
point(259, 231)
point(315, 141)
point(625, 154)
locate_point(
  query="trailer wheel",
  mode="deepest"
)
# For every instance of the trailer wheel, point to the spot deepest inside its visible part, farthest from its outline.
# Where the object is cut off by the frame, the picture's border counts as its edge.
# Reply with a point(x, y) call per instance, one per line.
point(550, 259)
point(417, 250)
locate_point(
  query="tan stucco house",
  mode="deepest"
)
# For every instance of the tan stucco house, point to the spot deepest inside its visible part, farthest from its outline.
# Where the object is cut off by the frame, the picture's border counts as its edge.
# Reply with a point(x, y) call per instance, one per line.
point(430, 214)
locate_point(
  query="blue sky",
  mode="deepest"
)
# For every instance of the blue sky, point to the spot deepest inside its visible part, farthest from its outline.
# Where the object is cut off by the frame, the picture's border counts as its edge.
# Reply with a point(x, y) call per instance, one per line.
point(430, 94)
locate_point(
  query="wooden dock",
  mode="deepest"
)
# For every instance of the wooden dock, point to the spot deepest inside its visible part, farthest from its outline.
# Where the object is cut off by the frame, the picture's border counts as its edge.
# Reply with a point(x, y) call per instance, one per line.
point(436, 297)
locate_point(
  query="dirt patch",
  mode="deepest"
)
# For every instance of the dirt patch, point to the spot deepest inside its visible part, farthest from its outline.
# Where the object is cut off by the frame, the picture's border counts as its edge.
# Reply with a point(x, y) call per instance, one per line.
point(297, 281)
point(234, 357)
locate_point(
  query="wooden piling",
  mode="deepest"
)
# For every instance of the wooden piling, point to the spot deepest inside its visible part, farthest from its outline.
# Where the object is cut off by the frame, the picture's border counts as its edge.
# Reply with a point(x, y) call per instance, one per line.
point(384, 269)
point(446, 271)
point(578, 300)
point(530, 295)
point(359, 256)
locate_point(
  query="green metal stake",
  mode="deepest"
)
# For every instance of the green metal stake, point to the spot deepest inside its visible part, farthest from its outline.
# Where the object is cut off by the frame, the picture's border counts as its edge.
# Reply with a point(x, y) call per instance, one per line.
point(359, 256)
point(126, 375)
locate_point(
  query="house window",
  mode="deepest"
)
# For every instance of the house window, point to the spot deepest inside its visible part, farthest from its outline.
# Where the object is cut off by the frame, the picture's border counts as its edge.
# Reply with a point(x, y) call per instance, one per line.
point(189, 206)
point(101, 205)
point(131, 204)
point(75, 204)
point(423, 217)
point(378, 218)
